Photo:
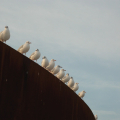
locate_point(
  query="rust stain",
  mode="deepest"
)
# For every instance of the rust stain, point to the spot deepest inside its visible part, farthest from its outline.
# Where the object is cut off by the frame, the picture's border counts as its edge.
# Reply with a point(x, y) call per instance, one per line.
point(29, 92)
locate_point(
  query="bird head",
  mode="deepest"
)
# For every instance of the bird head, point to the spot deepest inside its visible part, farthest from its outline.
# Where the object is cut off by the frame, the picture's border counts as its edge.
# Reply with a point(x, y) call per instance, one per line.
point(6, 26)
point(63, 70)
point(84, 91)
point(44, 57)
point(37, 49)
point(28, 42)
point(59, 66)
point(67, 74)
point(96, 117)
point(53, 60)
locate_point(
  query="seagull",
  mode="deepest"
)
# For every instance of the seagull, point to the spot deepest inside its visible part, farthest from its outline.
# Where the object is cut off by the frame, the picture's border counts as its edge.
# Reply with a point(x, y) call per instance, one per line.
point(44, 62)
point(5, 34)
point(51, 65)
point(96, 117)
point(35, 55)
point(56, 69)
point(65, 78)
point(81, 94)
point(70, 82)
point(75, 87)
point(24, 48)
point(61, 74)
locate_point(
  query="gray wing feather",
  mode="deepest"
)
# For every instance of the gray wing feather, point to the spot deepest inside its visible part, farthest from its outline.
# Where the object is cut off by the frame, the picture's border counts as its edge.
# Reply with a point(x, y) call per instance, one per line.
point(32, 54)
point(20, 48)
point(58, 74)
point(0, 36)
point(53, 70)
point(63, 77)
point(48, 66)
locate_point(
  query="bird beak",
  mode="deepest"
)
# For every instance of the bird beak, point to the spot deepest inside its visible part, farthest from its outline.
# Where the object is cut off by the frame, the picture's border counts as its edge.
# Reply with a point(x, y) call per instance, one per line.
point(64, 70)
point(54, 60)
point(60, 67)
point(29, 42)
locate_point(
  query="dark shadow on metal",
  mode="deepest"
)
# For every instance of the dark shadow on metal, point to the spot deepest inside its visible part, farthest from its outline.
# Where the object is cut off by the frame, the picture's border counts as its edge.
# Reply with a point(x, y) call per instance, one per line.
point(29, 92)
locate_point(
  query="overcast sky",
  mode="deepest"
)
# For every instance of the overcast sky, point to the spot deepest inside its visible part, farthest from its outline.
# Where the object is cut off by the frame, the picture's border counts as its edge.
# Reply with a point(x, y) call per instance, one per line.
point(82, 35)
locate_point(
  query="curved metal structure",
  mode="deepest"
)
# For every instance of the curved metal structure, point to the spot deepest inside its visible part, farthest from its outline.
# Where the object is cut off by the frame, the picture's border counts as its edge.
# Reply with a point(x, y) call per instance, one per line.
point(29, 92)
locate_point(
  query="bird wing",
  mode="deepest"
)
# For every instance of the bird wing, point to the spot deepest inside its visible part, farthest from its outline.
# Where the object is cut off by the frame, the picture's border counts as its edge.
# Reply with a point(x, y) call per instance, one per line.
point(73, 87)
point(0, 32)
point(49, 65)
point(64, 78)
point(1, 35)
point(42, 63)
point(58, 74)
point(20, 48)
point(68, 82)
point(32, 55)
point(79, 93)
point(53, 70)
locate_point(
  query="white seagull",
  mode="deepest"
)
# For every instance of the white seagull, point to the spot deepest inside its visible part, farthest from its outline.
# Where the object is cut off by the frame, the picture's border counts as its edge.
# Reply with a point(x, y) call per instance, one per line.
point(51, 65)
point(81, 94)
point(44, 62)
point(24, 48)
point(75, 87)
point(5, 34)
point(65, 78)
point(35, 55)
point(96, 117)
point(61, 74)
point(56, 69)
point(70, 82)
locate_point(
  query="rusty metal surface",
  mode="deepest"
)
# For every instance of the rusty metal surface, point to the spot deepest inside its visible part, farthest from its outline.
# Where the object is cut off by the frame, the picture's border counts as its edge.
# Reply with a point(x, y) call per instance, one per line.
point(29, 92)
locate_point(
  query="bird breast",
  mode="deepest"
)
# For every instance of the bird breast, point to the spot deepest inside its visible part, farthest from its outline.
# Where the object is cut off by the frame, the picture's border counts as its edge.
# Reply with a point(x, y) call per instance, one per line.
point(45, 63)
point(70, 83)
point(51, 65)
point(5, 34)
point(60, 75)
point(25, 48)
point(75, 87)
point(55, 70)
point(65, 79)
point(81, 94)
point(36, 55)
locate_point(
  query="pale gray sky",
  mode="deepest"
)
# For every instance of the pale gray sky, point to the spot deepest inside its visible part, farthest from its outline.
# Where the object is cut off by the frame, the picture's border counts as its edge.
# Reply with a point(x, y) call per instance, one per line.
point(82, 35)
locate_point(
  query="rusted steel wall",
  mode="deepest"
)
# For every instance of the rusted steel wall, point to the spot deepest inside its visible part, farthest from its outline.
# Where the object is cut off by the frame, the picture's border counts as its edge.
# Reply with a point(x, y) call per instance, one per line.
point(29, 92)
